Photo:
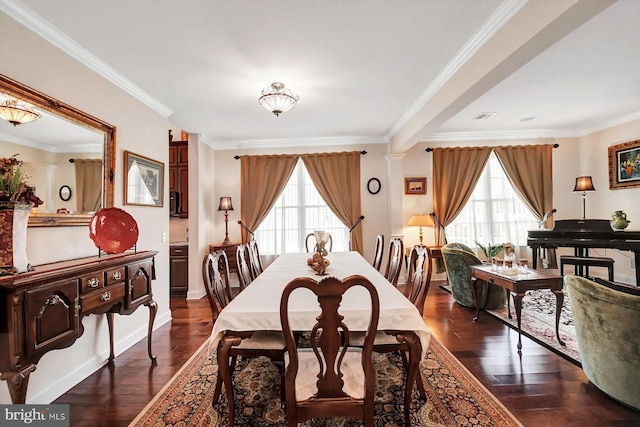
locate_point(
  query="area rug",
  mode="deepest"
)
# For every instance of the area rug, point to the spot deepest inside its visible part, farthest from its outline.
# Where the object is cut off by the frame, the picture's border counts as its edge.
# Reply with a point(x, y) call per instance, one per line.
point(454, 396)
point(538, 321)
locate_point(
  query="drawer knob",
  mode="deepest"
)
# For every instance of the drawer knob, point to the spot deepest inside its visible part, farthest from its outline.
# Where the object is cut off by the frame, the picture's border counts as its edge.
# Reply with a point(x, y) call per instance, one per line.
point(105, 296)
point(94, 282)
point(116, 275)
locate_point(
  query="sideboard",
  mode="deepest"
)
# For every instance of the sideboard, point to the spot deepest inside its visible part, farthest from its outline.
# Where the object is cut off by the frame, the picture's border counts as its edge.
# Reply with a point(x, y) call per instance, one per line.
point(42, 310)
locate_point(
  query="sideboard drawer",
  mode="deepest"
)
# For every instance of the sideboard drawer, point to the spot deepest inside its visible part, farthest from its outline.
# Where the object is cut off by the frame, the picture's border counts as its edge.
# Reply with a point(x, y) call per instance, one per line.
point(104, 297)
point(115, 276)
point(91, 282)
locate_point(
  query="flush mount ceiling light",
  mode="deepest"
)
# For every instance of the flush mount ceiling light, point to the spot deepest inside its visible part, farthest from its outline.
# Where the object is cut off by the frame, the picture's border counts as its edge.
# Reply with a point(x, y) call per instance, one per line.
point(277, 99)
point(18, 112)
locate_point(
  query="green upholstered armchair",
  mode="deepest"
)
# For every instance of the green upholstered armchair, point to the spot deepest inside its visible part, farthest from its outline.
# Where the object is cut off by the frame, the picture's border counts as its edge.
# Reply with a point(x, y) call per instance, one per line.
point(458, 259)
point(607, 320)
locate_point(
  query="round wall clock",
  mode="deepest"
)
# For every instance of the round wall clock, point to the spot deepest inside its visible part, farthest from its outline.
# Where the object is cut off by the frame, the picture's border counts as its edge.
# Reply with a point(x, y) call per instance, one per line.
point(373, 186)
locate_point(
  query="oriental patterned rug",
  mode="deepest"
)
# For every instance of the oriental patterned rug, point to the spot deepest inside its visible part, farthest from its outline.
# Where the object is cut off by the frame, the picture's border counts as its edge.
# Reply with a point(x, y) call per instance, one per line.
point(455, 396)
point(538, 321)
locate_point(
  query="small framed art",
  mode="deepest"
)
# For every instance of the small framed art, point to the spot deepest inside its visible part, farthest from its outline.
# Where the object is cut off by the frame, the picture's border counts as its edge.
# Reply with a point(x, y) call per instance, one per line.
point(415, 185)
point(143, 181)
point(624, 165)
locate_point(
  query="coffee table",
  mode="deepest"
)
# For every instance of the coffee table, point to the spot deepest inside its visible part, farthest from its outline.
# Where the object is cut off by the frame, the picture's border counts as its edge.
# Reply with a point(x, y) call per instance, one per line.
point(517, 285)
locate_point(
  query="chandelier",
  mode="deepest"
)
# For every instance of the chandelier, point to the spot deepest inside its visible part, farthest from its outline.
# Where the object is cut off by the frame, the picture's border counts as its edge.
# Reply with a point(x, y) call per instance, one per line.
point(277, 99)
point(18, 112)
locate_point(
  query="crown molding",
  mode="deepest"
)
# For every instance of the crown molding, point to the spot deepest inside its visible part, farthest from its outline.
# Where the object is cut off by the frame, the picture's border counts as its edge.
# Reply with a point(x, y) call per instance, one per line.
point(484, 136)
point(53, 35)
point(610, 123)
point(293, 143)
point(497, 20)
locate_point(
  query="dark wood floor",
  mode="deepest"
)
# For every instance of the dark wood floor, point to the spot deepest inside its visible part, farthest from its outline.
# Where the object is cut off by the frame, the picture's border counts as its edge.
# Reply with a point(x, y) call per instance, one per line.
point(540, 388)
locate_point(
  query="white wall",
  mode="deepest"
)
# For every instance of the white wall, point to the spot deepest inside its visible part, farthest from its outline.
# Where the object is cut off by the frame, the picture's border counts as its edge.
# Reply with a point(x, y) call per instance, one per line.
point(30, 60)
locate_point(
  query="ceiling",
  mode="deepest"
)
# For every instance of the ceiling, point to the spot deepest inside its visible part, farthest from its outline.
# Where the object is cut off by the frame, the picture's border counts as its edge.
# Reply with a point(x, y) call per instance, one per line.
point(366, 71)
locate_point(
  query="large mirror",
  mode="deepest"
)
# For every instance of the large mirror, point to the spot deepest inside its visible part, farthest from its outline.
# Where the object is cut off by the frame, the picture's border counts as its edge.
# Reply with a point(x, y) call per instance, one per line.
point(65, 147)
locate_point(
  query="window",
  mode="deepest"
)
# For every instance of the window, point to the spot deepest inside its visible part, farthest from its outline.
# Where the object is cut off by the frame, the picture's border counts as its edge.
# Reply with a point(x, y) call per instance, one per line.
point(299, 211)
point(494, 213)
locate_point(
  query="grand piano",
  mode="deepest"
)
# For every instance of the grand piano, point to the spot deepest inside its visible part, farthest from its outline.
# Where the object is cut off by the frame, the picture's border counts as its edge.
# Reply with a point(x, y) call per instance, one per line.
point(585, 234)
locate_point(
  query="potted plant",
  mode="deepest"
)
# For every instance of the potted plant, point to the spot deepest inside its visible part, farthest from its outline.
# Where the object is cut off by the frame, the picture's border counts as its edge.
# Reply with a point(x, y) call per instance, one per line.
point(16, 200)
point(490, 250)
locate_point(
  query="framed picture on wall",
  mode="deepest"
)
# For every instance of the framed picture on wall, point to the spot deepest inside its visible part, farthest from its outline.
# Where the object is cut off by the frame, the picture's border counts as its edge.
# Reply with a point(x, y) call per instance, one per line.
point(415, 185)
point(143, 181)
point(624, 165)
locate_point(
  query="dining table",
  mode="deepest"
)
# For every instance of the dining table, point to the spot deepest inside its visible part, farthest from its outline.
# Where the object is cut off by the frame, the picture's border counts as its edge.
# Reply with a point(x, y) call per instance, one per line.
point(257, 307)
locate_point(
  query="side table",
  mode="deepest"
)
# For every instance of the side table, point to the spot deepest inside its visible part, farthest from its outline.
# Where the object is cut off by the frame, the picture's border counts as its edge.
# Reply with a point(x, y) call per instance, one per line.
point(230, 250)
point(518, 285)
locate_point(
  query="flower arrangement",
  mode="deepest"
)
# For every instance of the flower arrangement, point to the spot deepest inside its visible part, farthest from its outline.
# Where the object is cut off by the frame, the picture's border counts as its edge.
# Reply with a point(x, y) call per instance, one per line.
point(13, 185)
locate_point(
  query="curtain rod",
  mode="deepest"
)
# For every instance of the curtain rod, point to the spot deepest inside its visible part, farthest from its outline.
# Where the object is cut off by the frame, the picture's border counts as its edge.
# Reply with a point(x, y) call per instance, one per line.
point(428, 150)
point(71, 160)
point(363, 152)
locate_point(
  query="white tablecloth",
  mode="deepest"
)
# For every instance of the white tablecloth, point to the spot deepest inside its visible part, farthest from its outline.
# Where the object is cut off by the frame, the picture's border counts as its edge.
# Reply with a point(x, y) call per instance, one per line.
point(258, 306)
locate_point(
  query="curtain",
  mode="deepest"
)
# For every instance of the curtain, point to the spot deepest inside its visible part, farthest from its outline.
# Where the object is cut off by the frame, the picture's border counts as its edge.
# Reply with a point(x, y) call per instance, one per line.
point(88, 184)
point(529, 169)
point(337, 178)
point(262, 179)
point(455, 174)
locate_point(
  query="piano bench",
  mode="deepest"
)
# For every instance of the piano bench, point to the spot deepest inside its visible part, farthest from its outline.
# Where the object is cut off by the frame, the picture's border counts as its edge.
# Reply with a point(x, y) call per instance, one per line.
point(587, 262)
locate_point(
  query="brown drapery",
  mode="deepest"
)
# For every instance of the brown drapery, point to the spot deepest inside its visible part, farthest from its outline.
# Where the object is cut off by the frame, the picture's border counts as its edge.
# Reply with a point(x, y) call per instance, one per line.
point(88, 184)
point(529, 169)
point(262, 180)
point(337, 178)
point(455, 174)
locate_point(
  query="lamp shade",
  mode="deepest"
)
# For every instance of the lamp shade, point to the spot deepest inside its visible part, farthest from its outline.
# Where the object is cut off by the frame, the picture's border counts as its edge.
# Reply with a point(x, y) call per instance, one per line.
point(584, 183)
point(421, 220)
point(225, 204)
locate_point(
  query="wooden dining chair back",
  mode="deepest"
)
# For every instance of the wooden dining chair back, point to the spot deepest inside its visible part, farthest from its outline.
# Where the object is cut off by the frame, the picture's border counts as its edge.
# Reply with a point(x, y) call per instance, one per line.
point(419, 276)
point(379, 252)
point(243, 266)
point(329, 379)
point(310, 243)
point(254, 258)
point(215, 273)
point(394, 263)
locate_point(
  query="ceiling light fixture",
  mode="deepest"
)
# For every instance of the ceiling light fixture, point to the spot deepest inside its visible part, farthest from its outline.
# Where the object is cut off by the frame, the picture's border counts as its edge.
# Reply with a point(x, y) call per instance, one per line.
point(18, 112)
point(277, 99)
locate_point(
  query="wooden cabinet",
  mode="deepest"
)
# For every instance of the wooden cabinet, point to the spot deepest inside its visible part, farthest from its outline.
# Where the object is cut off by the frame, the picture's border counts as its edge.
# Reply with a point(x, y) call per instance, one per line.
point(179, 174)
point(42, 310)
point(179, 270)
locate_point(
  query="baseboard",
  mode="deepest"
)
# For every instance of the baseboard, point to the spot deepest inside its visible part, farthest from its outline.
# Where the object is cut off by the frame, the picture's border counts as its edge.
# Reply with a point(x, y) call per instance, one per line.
point(195, 294)
point(64, 384)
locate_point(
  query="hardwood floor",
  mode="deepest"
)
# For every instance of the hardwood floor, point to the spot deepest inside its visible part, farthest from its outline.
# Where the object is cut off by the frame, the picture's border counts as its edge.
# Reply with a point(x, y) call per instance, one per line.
point(540, 388)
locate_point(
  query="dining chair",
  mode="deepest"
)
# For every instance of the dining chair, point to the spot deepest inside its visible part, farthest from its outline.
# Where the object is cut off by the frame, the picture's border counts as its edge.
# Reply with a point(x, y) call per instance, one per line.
point(254, 258)
point(394, 263)
point(247, 345)
point(310, 243)
point(331, 378)
point(244, 270)
point(390, 341)
point(379, 253)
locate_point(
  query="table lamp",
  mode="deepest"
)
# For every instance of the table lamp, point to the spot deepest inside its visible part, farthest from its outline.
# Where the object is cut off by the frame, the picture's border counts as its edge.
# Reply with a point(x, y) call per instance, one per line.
point(226, 206)
point(584, 184)
point(421, 221)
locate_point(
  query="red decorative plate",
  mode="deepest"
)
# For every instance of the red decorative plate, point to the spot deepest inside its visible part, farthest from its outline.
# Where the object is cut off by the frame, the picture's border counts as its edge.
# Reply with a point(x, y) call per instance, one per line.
point(113, 230)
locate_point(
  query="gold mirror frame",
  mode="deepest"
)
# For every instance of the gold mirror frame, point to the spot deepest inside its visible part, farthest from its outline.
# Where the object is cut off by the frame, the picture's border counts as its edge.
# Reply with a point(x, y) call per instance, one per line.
point(40, 100)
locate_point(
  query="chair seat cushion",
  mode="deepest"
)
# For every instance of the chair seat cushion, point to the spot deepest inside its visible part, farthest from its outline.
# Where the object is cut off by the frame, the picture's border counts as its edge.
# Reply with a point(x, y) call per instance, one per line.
point(356, 339)
point(265, 340)
point(308, 368)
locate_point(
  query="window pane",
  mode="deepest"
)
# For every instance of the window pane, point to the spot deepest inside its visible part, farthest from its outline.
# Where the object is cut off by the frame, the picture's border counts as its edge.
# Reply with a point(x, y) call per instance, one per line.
point(494, 213)
point(299, 211)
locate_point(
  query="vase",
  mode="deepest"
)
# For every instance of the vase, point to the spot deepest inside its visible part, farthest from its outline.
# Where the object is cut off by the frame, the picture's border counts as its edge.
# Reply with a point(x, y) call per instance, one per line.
point(619, 221)
point(14, 219)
